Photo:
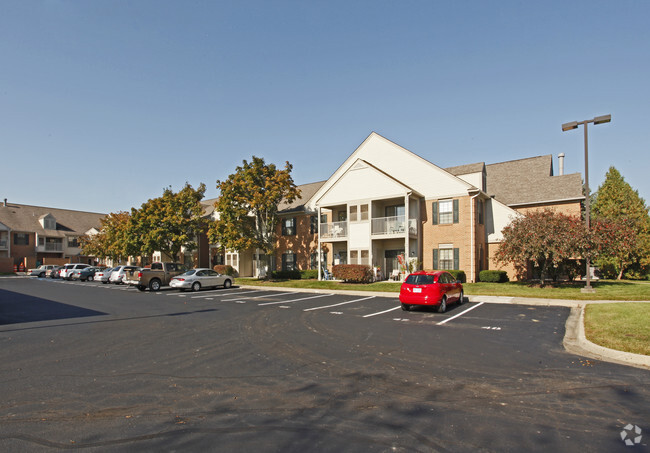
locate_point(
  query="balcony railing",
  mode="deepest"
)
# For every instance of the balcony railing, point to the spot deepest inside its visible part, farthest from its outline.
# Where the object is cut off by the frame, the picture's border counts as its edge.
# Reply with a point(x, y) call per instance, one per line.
point(393, 225)
point(50, 247)
point(334, 230)
point(389, 225)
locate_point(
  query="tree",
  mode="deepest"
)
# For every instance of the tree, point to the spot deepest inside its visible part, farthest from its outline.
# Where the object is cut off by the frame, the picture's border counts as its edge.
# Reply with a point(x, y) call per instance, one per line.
point(168, 223)
point(247, 209)
point(113, 239)
point(616, 244)
point(546, 238)
point(622, 211)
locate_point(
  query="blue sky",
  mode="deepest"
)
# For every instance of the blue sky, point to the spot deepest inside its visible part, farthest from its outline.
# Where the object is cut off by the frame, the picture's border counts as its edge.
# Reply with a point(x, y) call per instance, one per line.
point(103, 104)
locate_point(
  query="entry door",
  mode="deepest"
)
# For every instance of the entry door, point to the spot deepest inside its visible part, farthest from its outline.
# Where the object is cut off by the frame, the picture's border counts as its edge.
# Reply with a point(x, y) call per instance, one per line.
point(390, 261)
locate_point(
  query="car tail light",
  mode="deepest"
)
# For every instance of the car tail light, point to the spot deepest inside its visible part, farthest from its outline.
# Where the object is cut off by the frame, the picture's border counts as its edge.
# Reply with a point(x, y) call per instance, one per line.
point(139, 274)
point(180, 279)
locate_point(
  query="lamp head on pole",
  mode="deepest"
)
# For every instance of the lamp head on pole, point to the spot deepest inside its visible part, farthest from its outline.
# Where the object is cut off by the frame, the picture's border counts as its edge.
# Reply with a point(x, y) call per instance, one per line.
point(602, 119)
point(569, 126)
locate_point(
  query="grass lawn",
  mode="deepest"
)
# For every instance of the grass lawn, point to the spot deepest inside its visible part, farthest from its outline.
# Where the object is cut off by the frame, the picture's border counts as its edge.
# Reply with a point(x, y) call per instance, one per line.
point(605, 289)
point(625, 327)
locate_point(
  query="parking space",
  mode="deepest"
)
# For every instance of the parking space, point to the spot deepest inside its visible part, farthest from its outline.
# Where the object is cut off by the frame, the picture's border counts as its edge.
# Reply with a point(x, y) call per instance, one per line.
point(477, 314)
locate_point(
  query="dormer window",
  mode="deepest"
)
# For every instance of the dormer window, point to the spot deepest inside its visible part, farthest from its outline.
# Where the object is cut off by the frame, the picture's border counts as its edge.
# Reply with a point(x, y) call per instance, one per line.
point(48, 222)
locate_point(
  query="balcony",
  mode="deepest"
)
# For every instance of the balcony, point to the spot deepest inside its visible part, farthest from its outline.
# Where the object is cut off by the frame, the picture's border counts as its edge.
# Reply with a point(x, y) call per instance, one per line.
point(50, 247)
point(393, 226)
point(334, 230)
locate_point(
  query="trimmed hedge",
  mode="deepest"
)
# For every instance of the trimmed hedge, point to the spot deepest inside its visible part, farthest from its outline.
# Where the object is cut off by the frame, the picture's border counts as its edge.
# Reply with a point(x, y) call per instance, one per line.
point(286, 275)
point(225, 269)
point(493, 276)
point(355, 273)
point(309, 274)
point(459, 275)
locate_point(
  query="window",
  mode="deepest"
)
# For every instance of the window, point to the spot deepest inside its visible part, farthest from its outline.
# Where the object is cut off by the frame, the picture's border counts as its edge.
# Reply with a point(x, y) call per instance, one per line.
point(480, 208)
point(289, 227)
point(364, 212)
point(21, 238)
point(313, 224)
point(446, 257)
point(73, 241)
point(445, 212)
point(288, 261)
point(353, 213)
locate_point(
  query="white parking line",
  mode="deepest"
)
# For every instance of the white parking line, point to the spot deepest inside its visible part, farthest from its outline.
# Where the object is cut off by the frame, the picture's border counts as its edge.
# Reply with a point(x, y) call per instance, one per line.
point(342, 303)
point(256, 297)
point(230, 291)
point(461, 313)
point(295, 300)
point(382, 312)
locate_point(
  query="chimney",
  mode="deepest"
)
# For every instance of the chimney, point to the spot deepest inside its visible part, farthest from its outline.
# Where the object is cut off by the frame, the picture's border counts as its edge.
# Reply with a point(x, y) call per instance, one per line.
point(5, 203)
point(561, 159)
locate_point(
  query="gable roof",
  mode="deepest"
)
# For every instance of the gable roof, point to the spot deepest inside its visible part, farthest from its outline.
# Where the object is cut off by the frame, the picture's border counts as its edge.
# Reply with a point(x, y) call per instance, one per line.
point(466, 169)
point(25, 218)
point(403, 166)
point(530, 181)
point(307, 191)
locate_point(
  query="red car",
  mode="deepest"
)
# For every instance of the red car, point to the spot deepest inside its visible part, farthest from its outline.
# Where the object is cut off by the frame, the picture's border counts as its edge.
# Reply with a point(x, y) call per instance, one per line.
point(431, 288)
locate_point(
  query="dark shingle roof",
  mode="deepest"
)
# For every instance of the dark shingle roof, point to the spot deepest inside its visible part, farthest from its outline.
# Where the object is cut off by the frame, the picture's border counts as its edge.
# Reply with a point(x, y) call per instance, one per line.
point(306, 192)
point(529, 181)
point(466, 169)
point(25, 218)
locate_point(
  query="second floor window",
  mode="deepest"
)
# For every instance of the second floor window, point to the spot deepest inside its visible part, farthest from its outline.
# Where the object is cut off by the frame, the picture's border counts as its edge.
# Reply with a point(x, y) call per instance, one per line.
point(21, 238)
point(313, 224)
point(445, 212)
point(73, 242)
point(289, 227)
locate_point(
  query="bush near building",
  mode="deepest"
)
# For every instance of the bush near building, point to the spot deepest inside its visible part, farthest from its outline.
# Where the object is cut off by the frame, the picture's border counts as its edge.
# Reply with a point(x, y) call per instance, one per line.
point(354, 273)
point(493, 276)
point(225, 269)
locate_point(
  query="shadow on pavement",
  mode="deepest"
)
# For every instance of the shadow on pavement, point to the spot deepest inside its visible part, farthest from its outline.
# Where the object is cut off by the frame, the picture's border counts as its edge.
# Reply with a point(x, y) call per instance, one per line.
point(17, 308)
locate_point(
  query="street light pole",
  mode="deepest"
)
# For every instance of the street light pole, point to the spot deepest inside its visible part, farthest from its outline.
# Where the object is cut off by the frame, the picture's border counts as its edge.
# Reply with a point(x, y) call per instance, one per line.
point(568, 127)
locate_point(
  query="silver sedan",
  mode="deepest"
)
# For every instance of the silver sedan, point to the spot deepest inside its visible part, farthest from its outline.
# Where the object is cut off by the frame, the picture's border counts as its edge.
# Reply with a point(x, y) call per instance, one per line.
point(195, 279)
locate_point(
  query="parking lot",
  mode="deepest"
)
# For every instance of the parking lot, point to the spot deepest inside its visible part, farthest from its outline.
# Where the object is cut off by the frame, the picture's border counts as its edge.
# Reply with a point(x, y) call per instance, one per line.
point(87, 365)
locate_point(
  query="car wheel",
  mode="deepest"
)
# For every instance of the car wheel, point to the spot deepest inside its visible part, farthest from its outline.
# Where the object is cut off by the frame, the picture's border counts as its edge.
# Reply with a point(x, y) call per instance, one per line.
point(196, 286)
point(227, 284)
point(154, 285)
point(90, 278)
point(104, 282)
point(443, 305)
point(141, 287)
point(41, 275)
point(406, 307)
point(461, 299)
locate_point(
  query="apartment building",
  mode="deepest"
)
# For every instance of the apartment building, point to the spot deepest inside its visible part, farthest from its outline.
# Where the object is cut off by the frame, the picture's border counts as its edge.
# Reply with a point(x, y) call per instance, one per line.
point(34, 235)
point(389, 208)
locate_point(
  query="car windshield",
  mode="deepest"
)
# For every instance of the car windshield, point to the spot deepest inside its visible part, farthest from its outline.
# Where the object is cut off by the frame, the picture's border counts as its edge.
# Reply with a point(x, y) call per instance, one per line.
point(188, 273)
point(419, 279)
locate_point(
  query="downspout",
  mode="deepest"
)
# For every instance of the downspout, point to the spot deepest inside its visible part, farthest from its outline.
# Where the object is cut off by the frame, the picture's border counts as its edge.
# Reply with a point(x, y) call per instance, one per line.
point(319, 246)
point(472, 240)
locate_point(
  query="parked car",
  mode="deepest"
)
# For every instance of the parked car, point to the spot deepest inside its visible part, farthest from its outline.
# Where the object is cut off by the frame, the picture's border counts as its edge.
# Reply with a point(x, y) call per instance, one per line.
point(117, 276)
point(85, 274)
point(154, 276)
point(54, 273)
point(68, 269)
point(42, 271)
point(429, 288)
point(103, 275)
point(195, 279)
